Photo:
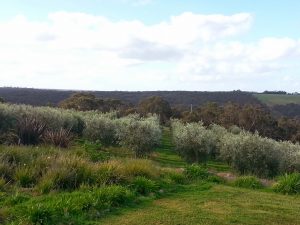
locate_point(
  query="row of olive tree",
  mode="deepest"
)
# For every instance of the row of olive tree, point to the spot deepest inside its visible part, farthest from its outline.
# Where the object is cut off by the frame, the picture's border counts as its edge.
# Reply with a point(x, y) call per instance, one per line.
point(140, 134)
point(247, 153)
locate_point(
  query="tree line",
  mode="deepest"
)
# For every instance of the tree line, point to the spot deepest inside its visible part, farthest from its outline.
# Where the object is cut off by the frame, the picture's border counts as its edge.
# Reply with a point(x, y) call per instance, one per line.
point(250, 117)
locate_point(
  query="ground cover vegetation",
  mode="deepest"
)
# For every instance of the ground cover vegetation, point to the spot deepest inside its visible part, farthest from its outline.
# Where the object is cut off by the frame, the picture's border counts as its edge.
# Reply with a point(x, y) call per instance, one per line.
point(67, 166)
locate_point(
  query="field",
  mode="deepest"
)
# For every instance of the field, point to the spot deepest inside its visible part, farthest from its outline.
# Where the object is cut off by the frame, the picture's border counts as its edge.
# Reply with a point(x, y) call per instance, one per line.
point(274, 99)
point(203, 203)
point(133, 170)
point(198, 202)
point(209, 203)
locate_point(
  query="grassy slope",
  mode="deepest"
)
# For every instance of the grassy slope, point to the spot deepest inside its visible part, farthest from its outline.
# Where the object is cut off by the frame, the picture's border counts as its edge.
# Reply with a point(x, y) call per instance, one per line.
point(203, 203)
point(199, 204)
point(271, 100)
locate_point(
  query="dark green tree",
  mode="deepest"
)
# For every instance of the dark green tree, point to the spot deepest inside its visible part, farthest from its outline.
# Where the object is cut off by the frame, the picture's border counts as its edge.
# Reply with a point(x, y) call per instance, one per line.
point(156, 105)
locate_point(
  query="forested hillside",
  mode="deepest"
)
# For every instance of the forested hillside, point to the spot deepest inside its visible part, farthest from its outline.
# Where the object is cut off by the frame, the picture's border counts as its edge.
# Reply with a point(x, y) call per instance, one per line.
point(186, 98)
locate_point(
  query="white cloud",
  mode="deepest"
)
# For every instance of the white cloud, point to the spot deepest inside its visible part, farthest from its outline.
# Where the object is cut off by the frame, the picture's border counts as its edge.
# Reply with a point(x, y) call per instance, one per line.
point(83, 51)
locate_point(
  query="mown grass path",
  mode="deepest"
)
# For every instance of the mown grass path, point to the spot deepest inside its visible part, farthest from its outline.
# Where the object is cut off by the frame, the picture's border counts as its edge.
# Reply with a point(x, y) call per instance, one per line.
point(165, 155)
point(203, 203)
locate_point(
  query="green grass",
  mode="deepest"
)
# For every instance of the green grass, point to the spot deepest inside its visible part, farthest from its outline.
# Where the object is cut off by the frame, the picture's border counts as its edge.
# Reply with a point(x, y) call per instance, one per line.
point(273, 99)
point(165, 155)
point(218, 204)
point(144, 195)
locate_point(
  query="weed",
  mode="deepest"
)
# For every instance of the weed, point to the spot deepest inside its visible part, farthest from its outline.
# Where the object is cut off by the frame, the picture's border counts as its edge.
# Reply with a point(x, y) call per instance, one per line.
point(288, 184)
point(250, 182)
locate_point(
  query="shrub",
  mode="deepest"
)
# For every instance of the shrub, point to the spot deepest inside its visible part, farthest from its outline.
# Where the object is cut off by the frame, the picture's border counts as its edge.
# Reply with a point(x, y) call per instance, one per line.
point(26, 177)
point(138, 167)
point(108, 173)
point(194, 143)
point(215, 179)
point(143, 185)
point(54, 118)
point(68, 173)
point(288, 184)
point(247, 153)
point(100, 128)
point(250, 182)
point(139, 134)
point(176, 177)
point(30, 131)
point(61, 138)
point(251, 154)
point(40, 215)
point(196, 172)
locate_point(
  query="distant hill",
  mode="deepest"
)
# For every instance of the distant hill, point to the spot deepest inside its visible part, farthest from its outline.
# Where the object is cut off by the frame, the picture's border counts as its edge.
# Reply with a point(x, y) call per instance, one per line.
point(185, 98)
point(281, 104)
point(278, 99)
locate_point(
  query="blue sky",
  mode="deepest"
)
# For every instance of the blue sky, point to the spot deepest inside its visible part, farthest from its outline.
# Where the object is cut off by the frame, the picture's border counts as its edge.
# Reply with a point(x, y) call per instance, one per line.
point(212, 45)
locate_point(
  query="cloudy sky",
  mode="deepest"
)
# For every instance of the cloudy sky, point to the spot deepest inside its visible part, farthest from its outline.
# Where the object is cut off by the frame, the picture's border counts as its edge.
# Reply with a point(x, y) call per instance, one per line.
point(150, 44)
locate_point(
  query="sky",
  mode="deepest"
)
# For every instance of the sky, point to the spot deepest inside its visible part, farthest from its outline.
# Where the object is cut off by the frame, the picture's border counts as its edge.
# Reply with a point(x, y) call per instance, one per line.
point(141, 45)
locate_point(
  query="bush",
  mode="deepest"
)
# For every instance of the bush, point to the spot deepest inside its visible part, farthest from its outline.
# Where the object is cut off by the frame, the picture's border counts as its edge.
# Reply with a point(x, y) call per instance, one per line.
point(250, 182)
point(176, 177)
point(139, 134)
point(61, 138)
point(138, 167)
point(26, 177)
point(288, 184)
point(251, 154)
point(196, 172)
point(67, 173)
point(54, 118)
point(108, 173)
point(247, 153)
point(216, 179)
point(143, 185)
point(100, 128)
point(30, 131)
point(194, 143)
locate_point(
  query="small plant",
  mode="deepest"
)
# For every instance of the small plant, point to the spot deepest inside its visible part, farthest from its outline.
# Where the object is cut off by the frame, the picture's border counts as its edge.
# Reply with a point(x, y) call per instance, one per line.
point(67, 173)
point(215, 179)
point(45, 186)
point(61, 138)
point(30, 131)
point(176, 177)
point(138, 167)
point(196, 172)
point(108, 173)
point(250, 182)
point(40, 215)
point(143, 185)
point(26, 177)
point(288, 184)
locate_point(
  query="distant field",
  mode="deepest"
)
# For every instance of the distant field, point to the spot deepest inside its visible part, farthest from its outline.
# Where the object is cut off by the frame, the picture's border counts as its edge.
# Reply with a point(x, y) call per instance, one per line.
point(273, 99)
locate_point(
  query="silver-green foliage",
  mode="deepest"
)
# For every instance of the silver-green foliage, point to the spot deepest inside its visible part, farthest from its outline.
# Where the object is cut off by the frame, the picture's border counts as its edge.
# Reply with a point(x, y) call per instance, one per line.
point(54, 118)
point(193, 141)
point(139, 134)
point(248, 153)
